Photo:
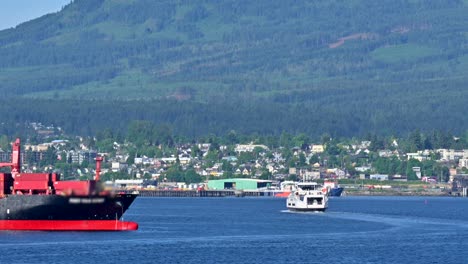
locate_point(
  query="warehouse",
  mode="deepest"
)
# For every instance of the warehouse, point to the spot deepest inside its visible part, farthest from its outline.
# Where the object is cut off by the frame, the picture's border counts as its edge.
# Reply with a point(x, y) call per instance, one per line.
point(238, 184)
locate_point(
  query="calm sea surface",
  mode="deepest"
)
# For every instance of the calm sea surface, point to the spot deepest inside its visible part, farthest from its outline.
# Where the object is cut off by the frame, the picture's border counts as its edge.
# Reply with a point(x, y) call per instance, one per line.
point(260, 230)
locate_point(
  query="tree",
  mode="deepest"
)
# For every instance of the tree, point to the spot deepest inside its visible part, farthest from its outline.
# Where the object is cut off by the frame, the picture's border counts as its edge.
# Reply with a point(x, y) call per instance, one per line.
point(293, 177)
point(211, 157)
point(376, 143)
point(5, 143)
point(147, 176)
point(410, 173)
point(85, 163)
point(285, 139)
point(314, 159)
point(332, 149)
point(191, 176)
point(333, 162)
point(232, 138)
point(301, 160)
point(105, 145)
point(227, 166)
point(163, 135)
point(112, 176)
point(325, 138)
point(50, 157)
point(415, 141)
point(141, 133)
point(301, 140)
point(245, 157)
point(195, 151)
point(174, 174)
point(266, 175)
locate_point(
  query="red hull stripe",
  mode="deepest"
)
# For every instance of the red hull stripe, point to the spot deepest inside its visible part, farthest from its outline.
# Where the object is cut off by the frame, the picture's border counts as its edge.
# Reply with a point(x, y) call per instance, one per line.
point(68, 225)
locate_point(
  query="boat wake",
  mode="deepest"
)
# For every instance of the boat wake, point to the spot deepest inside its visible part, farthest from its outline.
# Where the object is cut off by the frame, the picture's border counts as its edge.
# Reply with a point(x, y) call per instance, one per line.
point(401, 221)
point(302, 212)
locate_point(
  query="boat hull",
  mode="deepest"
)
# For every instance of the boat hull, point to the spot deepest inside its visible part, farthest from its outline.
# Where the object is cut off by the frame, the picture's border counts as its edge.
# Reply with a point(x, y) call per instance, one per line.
point(68, 225)
point(296, 209)
point(282, 194)
point(58, 212)
point(337, 191)
point(41, 201)
point(307, 202)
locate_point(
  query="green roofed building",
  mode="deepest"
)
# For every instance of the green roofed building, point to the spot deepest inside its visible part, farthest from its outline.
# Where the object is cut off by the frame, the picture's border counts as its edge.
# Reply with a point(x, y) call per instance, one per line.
point(238, 184)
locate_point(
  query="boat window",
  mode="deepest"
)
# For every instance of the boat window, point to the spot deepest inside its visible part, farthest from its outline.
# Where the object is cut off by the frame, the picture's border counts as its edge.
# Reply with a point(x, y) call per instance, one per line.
point(308, 187)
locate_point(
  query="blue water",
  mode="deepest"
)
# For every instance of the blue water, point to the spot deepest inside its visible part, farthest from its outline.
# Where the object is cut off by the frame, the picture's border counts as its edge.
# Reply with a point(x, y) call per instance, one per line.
point(260, 230)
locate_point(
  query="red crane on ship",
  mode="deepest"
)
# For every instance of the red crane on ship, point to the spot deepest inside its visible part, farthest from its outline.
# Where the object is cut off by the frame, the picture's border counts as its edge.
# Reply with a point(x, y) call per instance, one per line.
point(15, 163)
point(46, 183)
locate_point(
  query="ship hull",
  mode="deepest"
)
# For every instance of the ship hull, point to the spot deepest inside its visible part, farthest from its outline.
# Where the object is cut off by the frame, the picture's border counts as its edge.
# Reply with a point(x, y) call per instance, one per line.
point(282, 194)
point(336, 191)
point(300, 209)
point(41, 201)
point(68, 225)
point(57, 212)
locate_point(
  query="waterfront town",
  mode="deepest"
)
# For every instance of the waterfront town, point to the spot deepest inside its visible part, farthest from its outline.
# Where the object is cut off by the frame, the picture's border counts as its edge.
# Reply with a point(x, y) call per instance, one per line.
point(191, 165)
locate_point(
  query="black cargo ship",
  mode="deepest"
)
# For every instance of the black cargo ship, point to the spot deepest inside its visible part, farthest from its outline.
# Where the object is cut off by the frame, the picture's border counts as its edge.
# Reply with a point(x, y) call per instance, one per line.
point(41, 201)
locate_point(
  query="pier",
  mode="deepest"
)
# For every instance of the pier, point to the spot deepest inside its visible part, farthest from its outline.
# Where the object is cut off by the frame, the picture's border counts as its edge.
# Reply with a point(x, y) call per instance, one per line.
point(204, 193)
point(349, 191)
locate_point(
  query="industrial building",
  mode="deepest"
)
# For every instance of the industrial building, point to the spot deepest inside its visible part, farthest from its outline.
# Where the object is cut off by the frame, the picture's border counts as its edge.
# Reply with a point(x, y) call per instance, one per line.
point(238, 184)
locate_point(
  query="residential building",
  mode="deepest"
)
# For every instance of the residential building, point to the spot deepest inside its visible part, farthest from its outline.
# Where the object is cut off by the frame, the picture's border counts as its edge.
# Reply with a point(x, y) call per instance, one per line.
point(317, 149)
point(249, 147)
point(452, 154)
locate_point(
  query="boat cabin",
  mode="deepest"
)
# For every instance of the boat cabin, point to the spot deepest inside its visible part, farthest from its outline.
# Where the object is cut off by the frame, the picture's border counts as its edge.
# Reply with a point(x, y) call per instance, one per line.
point(310, 186)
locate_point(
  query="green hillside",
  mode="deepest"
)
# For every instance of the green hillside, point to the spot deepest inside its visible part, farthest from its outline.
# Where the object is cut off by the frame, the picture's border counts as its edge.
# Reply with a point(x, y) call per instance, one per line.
point(339, 66)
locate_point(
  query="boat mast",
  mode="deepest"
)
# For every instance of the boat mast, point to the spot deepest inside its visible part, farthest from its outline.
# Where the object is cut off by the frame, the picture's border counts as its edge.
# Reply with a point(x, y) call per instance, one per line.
point(98, 168)
point(15, 163)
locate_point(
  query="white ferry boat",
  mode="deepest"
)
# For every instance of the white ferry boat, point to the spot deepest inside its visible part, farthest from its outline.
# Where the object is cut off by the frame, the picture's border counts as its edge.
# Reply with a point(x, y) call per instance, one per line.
point(307, 196)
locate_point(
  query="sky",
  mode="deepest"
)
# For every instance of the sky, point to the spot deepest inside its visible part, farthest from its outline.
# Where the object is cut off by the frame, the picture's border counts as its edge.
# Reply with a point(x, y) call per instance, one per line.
point(14, 12)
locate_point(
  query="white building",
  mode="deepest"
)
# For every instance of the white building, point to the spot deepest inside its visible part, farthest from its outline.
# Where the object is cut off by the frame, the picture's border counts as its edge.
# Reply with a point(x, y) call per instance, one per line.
point(463, 163)
point(249, 148)
point(420, 155)
point(380, 177)
point(317, 149)
point(452, 154)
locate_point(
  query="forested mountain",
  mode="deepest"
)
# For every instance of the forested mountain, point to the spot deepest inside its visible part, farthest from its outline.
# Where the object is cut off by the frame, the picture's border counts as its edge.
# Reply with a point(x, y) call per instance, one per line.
point(343, 67)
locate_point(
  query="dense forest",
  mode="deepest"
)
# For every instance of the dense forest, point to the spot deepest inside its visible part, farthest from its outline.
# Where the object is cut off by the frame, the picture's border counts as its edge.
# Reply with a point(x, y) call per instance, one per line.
point(347, 68)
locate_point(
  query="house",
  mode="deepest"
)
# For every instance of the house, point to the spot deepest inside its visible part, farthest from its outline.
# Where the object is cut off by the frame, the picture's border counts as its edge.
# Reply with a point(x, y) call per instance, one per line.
point(463, 163)
point(144, 160)
point(363, 168)
point(80, 156)
point(271, 168)
point(379, 177)
point(452, 154)
point(204, 147)
point(249, 148)
point(420, 155)
point(386, 153)
point(292, 171)
point(310, 175)
point(184, 160)
point(230, 158)
point(40, 147)
point(117, 166)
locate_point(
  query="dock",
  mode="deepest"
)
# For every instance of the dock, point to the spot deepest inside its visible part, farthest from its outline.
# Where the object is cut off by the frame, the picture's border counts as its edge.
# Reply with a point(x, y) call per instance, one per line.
point(204, 193)
point(271, 193)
